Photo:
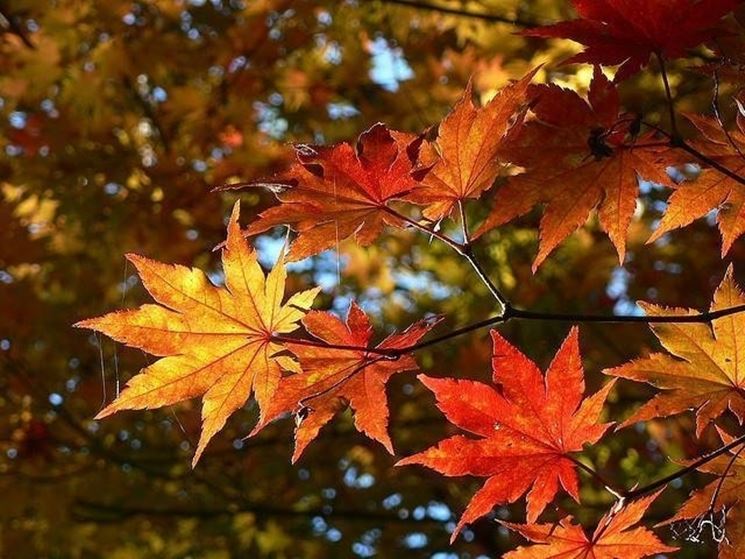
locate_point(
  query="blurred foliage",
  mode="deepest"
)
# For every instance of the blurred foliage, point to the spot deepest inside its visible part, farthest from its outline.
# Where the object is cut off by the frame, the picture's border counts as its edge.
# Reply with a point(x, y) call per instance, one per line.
point(118, 117)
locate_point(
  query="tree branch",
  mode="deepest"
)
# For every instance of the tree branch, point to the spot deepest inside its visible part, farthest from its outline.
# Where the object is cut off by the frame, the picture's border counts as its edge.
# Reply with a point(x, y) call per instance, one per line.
point(420, 5)
point(680, 143)
point(684, 471)
point(511, 313)
point(703, 317)
point(94, 510)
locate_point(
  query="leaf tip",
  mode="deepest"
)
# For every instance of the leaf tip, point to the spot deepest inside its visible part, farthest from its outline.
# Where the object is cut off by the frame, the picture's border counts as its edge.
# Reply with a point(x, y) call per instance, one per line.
point(407, 461)
point(85, 323)
point(235, 212)
point(111, 409)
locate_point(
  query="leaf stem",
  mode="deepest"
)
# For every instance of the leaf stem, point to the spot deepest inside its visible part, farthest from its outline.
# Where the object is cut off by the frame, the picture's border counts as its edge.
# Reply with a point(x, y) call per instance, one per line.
point(463, 249)
point(464, 223)
point(455, 245)
point(493, 289)
point(610, 487)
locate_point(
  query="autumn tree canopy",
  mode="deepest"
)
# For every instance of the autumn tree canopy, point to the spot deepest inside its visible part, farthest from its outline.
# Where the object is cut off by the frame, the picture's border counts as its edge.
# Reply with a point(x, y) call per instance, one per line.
point(393, 278)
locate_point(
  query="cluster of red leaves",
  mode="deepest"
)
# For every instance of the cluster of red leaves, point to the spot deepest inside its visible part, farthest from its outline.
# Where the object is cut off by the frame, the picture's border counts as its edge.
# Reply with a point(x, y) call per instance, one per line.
point(578, 155)
point(543, 145)
point(628, 32)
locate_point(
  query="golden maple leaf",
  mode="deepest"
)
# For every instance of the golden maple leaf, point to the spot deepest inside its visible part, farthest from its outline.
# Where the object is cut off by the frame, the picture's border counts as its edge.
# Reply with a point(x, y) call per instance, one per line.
point(704, 372)
point(214, 342)
point(466, 158)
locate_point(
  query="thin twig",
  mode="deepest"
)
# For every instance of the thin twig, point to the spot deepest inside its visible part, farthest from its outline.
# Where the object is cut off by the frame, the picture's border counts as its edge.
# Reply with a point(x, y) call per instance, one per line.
point(397, 352)
point(725, 473)
point(493, 289)
point(711, 162)
point(676, 140)
point(419, 5)
point(464, 249)
point(684, 471)
point(680, 143)
point(718, 115)
point(669, 96)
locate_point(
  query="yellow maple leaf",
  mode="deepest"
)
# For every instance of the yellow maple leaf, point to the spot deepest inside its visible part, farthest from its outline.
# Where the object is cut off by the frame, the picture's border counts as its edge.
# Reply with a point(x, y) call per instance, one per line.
point(214, 342)
point(702, 371)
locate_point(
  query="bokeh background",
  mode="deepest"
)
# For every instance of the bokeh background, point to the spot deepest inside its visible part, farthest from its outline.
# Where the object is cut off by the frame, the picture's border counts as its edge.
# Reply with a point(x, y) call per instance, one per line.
point(116, 120)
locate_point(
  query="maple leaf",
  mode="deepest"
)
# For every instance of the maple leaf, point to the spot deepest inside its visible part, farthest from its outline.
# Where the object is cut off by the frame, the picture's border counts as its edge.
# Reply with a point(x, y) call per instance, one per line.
point(331, 378)
point(712, 190)
point(214, 342)
point(614, 538)
point(579, 155)
point(719, 506)
point(708, 374)
point(464, 160)
point(332, 193)
point(526, 430)
point(628, 32)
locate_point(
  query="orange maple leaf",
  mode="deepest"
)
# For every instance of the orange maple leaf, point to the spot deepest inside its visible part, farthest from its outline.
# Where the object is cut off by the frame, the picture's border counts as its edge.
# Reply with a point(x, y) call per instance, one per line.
point(214, 342)
point(578, 155)
point(614, 538)
point(708, 372)
point(331, 378)
point(332, 193)
point(628, 32)
point(527, 429)
point(712, 190)
point(719, 506)
point(465, 159)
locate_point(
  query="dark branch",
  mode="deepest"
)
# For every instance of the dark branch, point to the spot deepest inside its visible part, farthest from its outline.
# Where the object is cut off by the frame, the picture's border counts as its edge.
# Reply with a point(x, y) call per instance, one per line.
point(700, 318)
point(103, 511)
point(419, 5)
point(684, 471)
point(511, 313)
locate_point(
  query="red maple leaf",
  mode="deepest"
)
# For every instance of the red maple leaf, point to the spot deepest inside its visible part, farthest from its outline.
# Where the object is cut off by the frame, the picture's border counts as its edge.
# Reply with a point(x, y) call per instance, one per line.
point(526, 430)
point(465, 159)
point(331, 378)
point(334, 192)
point(578, 155)
point(628, 32)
